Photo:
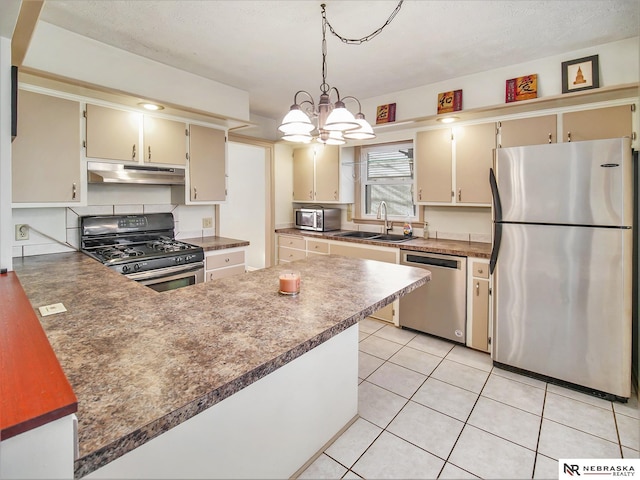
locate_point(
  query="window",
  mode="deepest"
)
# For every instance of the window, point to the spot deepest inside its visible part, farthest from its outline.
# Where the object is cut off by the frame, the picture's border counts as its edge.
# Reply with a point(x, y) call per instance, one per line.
point(387, 174)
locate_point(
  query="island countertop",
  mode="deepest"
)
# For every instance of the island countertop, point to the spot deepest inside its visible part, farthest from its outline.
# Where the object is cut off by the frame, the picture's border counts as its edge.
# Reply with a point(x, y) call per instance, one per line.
point(141, 362)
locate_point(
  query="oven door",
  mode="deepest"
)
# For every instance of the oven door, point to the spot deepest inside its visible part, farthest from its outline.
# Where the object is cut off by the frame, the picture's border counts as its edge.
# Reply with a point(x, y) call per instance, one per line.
point(170, 278)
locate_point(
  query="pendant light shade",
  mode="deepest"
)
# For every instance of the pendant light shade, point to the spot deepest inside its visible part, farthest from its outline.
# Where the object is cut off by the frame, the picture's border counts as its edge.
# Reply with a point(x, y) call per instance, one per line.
point(296, 122)
point(365, 132)
point(340, 119)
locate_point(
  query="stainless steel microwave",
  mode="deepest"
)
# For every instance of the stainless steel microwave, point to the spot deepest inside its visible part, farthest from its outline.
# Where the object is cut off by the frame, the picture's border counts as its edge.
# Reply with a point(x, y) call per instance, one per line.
point(317, 219)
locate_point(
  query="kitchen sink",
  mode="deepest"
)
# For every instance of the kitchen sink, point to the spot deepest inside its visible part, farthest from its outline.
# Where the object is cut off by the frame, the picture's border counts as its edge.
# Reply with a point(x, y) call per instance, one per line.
point(357, 234)
point(375, 236)
point(390, 238)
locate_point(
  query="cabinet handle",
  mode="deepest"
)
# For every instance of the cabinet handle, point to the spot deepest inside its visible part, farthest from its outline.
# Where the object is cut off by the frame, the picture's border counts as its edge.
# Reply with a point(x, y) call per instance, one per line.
point(310, 194)
point(568, 136)
point(195, 193)
point(226, 260)
point(420, 194)
point(133, 152)
point(149, 152)
point(459, 194)
point(479, 270)
point(549, 137)
point(335, 195)
point(74, 192)
point(477, 289)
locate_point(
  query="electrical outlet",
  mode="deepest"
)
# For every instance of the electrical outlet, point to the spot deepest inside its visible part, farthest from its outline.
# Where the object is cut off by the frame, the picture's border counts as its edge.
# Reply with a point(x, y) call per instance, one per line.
point(207, 222)
point(22, 231)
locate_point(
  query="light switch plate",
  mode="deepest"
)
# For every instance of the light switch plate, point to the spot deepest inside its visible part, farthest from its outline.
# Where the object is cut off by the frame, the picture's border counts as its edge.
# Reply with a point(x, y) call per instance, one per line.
point(207, 222)
point(51, 309)
point(22, 231)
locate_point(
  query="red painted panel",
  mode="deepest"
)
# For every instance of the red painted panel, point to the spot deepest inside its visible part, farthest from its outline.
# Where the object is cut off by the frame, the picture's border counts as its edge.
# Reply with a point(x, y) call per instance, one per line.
point(33, 388)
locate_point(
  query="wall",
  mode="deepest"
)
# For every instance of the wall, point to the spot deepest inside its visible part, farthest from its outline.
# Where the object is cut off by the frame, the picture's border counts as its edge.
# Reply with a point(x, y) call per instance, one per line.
point(619, 64)
point(6, 225)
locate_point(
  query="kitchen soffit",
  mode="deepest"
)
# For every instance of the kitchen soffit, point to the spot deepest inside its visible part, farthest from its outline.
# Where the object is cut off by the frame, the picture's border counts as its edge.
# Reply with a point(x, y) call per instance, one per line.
point(270, 48)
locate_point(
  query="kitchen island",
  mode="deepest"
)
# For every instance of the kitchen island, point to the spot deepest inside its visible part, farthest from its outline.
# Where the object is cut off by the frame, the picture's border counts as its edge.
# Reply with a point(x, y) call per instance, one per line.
point(143, 363)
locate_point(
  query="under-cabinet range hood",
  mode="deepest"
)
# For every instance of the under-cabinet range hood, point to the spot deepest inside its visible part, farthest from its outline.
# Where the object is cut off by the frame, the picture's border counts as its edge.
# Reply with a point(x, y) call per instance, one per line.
point(103, 172)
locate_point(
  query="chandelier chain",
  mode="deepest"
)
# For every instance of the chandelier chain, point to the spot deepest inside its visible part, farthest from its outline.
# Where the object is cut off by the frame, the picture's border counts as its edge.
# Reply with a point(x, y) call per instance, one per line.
point(359, 41)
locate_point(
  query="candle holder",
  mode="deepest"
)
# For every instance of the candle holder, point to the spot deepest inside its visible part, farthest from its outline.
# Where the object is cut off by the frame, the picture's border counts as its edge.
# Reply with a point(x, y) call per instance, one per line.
point(290, 283)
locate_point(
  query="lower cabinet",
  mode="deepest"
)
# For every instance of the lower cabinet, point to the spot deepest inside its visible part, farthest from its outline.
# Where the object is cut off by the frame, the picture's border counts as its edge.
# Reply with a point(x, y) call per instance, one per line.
point(223, 263)
point(291, 248)
point(478, 305)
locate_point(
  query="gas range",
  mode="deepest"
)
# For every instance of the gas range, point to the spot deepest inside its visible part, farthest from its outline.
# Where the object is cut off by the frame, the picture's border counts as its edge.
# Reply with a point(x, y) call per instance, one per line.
point(143, 248)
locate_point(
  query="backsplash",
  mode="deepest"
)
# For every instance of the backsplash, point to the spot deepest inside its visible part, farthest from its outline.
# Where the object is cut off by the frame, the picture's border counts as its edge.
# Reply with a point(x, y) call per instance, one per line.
point(57, 230)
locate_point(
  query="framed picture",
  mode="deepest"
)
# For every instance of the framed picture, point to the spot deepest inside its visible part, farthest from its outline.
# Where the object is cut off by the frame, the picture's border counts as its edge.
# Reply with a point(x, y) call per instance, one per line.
point(386, 113)
point(580, 74)
point(521, 88)
point(450, 101)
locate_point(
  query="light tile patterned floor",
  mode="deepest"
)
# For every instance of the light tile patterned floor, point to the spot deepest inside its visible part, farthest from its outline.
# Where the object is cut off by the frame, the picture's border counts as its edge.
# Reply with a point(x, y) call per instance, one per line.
point(432, 409)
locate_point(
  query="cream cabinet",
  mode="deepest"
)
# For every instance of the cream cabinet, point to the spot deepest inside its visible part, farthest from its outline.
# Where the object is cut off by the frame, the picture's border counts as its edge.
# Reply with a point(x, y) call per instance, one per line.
point(115, 134)
point(46, 166)
point(224, 263)
point(478, 306)
point(598, 123)
point(323, 173)
point(317, 247)
point(452, 165)
point(291, 248)
point(207, 165)
point(528, 131)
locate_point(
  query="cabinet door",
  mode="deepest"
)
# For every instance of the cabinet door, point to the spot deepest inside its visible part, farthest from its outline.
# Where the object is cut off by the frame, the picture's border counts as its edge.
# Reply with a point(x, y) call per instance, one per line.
point(113, 134)
point(480, 315)
point(597, 124)
point(303, 173)
point(165, 141)
point(528, 131)
point(207, 164)
point(327, 173)
point(433, 169)
point(46, 152)
point(475, 145)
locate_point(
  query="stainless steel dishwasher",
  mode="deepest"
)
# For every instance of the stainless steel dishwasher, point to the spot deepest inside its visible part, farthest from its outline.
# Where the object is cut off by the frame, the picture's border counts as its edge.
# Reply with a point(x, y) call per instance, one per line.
point(440, 306)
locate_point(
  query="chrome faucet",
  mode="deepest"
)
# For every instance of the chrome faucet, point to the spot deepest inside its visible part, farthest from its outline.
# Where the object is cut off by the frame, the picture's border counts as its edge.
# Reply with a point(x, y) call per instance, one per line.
point(387, 224)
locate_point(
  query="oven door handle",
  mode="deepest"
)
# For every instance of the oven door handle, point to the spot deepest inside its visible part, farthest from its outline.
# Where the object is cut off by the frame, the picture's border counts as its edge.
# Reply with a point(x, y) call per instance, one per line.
point(165, 272)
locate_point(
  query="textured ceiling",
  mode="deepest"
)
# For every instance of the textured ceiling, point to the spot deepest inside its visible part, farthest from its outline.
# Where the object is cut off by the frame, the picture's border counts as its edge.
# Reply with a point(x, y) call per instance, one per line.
point(272, 48)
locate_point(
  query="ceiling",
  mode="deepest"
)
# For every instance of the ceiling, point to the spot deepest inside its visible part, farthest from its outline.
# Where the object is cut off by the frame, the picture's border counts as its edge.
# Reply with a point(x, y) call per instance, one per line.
point(272, 48)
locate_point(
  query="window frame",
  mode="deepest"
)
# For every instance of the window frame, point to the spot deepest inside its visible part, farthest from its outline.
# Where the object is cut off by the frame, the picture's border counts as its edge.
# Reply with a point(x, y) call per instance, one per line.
point(362, 181)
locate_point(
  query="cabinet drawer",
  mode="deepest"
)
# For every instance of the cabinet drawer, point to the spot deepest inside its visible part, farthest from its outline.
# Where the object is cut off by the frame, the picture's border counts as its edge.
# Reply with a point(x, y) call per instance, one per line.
point(224, 260)
point(291, 242)
point(480, 270)
point(290, 254)
point(317, 247)
point(225, 272)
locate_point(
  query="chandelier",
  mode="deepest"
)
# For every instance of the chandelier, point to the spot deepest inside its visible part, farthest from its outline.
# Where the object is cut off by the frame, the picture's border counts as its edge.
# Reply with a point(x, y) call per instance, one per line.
point(334, 124)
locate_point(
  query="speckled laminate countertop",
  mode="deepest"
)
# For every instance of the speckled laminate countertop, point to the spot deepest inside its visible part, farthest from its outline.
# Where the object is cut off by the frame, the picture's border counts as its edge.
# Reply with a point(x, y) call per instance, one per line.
point(215, 243)
point(418, 244)
point(141, 362)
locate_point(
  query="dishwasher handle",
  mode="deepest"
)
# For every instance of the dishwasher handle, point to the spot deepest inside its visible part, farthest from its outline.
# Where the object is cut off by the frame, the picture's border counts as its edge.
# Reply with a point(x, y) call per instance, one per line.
point(435, 262)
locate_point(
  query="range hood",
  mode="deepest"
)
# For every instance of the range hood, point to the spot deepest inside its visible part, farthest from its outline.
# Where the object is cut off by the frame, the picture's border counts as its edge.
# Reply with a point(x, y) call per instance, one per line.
point(102, 172)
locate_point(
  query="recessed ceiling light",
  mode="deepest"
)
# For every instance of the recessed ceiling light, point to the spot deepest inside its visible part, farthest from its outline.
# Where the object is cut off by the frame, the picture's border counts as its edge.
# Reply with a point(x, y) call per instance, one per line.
point(151, 106)
point(448, 119)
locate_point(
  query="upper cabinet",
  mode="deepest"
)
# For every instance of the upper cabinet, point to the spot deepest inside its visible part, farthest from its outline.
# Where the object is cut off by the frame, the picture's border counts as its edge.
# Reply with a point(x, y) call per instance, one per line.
point(528, 131)
point(115, 135)
point(165, 141)
point(46, 165)
point(323, 174)
point(466, 151)
point(207, 165)
point(596, 124)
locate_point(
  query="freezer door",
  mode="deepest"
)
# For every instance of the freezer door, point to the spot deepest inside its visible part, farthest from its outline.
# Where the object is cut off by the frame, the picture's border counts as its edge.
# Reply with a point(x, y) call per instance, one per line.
point(563, 304)
point(578, 183)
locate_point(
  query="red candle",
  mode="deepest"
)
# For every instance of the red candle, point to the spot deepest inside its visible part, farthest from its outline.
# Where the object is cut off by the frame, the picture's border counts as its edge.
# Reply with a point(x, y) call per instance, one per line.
point(290, 283)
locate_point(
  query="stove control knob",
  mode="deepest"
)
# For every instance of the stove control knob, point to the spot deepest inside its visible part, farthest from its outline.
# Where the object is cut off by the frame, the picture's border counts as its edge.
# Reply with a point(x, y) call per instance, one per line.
point(179, 259)
point(125, 269)
point(136, 267)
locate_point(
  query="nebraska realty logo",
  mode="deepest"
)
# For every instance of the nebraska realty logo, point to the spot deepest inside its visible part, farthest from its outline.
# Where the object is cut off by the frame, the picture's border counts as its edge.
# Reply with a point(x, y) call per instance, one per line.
point(603, 467)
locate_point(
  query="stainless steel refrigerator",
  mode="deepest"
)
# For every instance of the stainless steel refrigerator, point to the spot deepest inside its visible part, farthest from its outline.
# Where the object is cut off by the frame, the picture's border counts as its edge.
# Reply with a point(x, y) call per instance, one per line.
point(562, 262)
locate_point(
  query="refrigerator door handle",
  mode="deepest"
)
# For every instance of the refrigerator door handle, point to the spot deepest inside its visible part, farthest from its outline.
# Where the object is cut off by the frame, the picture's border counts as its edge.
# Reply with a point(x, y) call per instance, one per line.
point(497, 205)
point(497, 236)
point(497, 217)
